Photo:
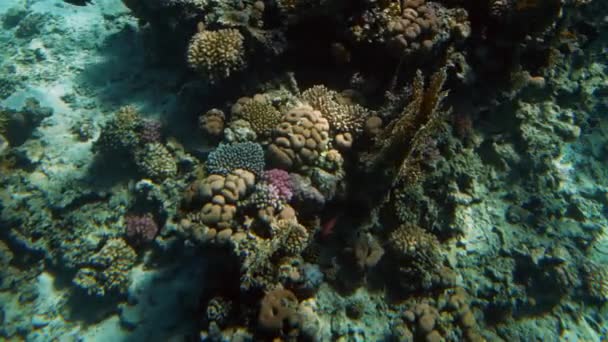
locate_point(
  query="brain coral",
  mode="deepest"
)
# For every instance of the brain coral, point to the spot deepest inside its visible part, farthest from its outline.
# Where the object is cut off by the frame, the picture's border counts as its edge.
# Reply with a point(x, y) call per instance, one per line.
point(259, 112)
point(216, 54)
point(228, 157)
point(299, 139)
point(155, 162)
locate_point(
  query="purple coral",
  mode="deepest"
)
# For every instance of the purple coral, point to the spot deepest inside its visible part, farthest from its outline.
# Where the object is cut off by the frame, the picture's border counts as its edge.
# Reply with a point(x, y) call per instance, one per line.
point(141, 228)
point(281, 181)
point(151, 131)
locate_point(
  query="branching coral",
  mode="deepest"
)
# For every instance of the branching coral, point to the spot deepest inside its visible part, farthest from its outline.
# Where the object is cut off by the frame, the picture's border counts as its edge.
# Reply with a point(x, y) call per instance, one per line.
point(343, 118)
point(216, 54)
point(411, 242)
point(228, 157)
point(403, 140)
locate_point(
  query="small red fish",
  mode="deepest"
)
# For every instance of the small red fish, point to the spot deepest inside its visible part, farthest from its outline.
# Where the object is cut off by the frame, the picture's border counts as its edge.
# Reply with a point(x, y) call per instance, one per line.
point(327, 228)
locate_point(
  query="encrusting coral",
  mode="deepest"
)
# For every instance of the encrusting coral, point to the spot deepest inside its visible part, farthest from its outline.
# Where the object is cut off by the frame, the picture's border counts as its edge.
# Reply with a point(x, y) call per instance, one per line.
point(216, 54)
point(108, 270)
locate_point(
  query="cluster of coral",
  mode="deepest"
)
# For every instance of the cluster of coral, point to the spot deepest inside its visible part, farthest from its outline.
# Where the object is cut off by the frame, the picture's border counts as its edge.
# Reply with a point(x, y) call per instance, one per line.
point(426, 197)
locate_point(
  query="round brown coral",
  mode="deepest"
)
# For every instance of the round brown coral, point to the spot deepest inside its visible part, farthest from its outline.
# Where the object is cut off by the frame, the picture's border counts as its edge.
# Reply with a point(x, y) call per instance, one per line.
point(212, 122)
point(216, 54)
point(220, 195)
point(299, 139)
point(277, 307)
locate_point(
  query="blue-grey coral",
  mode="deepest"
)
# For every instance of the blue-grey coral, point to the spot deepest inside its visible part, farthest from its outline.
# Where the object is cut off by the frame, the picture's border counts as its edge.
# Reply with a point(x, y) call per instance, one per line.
point(228, 157)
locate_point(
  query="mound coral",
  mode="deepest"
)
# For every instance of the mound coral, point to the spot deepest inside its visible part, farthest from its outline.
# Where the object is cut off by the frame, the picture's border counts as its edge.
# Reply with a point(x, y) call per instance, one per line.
point(212, 122)
point(216, 54)
point(155, 162)
point(277, 308)
point(299, 139)
point(220, 195)
point(259, 112)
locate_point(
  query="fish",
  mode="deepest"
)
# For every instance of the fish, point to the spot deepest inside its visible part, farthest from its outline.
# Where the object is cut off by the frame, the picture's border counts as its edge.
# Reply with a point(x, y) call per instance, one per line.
point(79, 2)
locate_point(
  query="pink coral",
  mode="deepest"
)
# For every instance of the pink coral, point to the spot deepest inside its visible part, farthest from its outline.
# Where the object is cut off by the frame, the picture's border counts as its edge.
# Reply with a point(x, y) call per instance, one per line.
point(281, 181)
point(141, 228)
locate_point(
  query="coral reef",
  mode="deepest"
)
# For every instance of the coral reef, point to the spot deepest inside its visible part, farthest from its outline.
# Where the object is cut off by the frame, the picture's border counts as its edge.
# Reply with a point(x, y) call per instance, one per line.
point(268, 181)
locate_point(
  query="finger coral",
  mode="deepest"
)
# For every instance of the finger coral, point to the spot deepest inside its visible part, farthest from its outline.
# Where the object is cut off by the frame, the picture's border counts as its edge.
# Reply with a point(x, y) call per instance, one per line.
point(216, 54)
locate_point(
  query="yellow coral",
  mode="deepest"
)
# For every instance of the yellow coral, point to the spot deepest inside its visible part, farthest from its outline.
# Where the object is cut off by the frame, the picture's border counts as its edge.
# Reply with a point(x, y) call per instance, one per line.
point(412, 242)
point(342, 117)
point(260, 113)
point(216, 54)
